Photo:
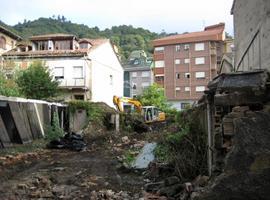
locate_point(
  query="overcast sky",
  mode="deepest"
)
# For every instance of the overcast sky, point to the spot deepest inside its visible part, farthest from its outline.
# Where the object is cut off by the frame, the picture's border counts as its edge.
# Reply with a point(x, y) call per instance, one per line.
point(156, 15)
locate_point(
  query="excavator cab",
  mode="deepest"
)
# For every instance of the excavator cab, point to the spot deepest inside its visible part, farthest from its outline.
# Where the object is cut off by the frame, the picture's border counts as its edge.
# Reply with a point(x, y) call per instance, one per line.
point(152, 114)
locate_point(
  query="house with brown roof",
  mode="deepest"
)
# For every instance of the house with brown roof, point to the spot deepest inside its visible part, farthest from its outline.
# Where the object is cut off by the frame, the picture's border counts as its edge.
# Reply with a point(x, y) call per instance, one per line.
point(185, 63)
point(8, 40)
point(87, 69)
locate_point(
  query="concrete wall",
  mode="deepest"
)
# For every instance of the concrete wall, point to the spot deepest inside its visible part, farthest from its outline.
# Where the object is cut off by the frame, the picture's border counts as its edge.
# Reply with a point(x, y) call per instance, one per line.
point(107, 74)
point(252, 34)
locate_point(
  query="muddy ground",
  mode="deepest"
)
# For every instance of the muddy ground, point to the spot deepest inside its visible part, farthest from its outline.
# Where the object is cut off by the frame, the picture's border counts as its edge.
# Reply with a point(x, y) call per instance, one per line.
point(94, 173)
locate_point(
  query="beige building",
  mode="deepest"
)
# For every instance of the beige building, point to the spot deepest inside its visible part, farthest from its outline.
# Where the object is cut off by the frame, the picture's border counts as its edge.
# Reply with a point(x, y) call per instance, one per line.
point(185, 63)
point(87, 69)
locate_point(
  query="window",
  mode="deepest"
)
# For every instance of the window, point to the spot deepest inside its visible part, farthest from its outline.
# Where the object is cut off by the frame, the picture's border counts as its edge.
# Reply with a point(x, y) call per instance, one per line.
point(199, 46)
point(187, 75)
point(187, 89)
point(186, 47)
point(159, 63)
point(145, 84)
point(159, 48)
point(63, 45)
point(159, 78)
point(43, 45)
point(79, 97)
point(59, 73)
point(145, 74)
point(177, 47)
point(78, 72)
point(186, 61)
point(134, 74)
point(2, 42)
point(200, 75)
point(177, 75)
point(199, 61)
point(84, 45)
point(177, 61)
point(177, 88)
point(200, 88)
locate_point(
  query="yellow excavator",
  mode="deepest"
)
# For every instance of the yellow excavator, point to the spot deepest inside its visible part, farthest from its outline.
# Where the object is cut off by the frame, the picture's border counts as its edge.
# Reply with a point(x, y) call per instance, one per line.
point(150, 113)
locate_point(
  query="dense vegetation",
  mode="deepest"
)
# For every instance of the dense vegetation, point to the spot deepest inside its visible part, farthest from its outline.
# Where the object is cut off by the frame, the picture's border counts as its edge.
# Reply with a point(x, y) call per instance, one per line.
point(35, 82)
point(127, 38)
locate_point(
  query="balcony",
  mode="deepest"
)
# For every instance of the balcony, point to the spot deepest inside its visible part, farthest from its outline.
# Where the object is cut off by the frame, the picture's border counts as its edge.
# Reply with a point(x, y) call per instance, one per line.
point(73, 83)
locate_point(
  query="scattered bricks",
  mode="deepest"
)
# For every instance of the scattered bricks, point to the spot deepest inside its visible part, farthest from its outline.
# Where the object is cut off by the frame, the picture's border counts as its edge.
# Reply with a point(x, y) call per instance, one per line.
point(200, 181)
point(125, 140)
point(236, 114)
point(240, 109)
point(35, 194)
point(171, 180)
point(153, 187)
point(22, 186)
point(227, 124)
point(149, 196)
point(170, 191)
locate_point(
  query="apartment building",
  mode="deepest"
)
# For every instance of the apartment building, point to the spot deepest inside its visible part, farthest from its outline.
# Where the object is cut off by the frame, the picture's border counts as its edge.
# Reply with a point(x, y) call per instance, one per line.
point(185, 63)
point(87, 69)
point(137, 73)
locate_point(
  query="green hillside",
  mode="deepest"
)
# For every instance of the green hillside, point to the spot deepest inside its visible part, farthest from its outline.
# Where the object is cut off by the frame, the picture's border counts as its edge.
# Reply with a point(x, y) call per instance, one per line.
point(127, 38)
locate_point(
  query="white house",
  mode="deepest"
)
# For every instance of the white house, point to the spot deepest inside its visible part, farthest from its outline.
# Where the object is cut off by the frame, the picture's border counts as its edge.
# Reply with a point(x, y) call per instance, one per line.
point(87, 69)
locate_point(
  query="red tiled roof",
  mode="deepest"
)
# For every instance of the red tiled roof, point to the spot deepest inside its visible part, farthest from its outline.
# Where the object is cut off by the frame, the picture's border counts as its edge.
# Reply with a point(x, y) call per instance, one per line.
point(212, 33)
point(9, 33)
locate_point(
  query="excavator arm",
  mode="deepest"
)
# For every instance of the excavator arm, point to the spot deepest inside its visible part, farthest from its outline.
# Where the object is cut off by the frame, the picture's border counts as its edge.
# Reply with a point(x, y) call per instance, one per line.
point(118, 103)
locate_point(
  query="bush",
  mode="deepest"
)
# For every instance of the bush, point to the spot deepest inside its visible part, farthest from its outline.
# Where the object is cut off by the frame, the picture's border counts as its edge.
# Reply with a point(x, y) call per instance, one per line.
point(54, 131)
point(187, 148)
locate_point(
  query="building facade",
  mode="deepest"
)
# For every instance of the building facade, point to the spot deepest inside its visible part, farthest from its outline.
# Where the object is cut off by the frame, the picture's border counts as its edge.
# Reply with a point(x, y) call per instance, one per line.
point(185, 63)
point(8, 41)
point(86, 69)
point(138, 74)
point(251, 34)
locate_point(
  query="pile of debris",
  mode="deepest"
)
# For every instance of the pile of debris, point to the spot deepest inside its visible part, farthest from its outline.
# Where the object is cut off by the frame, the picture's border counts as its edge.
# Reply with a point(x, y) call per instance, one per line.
point(72, 141)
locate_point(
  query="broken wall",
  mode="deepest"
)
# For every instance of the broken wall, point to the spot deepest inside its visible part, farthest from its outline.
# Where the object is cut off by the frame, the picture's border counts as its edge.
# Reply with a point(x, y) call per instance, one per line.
point(23, 120)
point(252, 34)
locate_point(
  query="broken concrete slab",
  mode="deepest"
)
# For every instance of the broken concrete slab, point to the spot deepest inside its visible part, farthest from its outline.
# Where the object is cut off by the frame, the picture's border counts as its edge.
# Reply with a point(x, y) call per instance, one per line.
point(145, 156)
point(21, 122)
point(4, 137)
point(35, 124)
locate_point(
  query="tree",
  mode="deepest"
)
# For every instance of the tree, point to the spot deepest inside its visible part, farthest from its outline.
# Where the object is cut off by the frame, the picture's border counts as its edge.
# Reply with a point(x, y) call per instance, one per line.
point(8, 87)
point(36, 82)
point(154, 96)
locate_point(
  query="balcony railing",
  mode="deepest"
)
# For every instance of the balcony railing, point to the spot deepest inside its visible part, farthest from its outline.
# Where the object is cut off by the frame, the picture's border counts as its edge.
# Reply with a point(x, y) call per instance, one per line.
point(74, 82)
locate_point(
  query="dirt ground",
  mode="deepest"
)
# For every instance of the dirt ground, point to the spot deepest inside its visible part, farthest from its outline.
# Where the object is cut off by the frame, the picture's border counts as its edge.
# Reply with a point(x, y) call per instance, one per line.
point(64, 174)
